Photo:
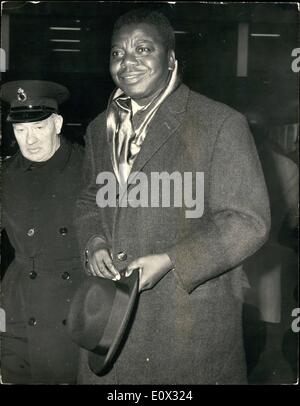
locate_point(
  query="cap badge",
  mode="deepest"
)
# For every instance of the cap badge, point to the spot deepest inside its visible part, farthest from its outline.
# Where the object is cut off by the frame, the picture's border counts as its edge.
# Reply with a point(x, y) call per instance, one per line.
point(22, 96)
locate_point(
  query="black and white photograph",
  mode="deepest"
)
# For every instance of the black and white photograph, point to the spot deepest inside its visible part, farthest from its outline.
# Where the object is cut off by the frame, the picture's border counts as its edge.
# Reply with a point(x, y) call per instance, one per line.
point(149, 195)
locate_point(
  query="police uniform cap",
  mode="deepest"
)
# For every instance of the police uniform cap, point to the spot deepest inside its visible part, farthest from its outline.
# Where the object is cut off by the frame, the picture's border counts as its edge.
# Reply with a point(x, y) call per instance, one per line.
point(32, 100)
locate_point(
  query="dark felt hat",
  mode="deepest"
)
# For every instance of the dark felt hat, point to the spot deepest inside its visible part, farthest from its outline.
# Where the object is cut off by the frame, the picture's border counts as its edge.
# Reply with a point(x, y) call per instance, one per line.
point(32, 100)
point(99, 317)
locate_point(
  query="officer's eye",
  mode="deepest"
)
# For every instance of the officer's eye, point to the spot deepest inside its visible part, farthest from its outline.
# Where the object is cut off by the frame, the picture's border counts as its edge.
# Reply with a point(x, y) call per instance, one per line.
point(19, 130)
point(38, 127)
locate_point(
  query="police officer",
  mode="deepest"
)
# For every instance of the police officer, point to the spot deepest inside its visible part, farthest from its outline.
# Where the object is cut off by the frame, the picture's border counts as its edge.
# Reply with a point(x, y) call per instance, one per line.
point(40, 186)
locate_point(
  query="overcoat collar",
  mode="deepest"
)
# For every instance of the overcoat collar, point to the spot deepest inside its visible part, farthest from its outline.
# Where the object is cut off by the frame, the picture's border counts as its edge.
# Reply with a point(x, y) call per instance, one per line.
point(57, 162)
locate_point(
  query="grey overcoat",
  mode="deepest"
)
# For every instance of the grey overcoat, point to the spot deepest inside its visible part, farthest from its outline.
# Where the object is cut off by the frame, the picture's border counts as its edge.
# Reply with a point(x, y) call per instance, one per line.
point(187, 329)
point(38, 209)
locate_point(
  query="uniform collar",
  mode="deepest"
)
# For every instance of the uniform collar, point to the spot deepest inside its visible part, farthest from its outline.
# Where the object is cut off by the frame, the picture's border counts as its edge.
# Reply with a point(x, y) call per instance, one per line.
point(57, 161)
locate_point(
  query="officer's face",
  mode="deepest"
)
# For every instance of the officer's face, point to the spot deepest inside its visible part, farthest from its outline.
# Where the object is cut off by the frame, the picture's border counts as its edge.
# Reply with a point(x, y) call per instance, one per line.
point(139, 61)
point(39, 141)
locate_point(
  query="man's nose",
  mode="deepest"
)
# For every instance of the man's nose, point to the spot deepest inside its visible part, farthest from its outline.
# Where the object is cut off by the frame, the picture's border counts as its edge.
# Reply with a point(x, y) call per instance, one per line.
point(129, 59)
point(31, 138)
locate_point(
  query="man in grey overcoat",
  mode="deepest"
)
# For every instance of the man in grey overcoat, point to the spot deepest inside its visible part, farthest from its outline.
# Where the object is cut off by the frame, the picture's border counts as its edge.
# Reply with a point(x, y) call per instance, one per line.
point(40, 186)
point(187, 328)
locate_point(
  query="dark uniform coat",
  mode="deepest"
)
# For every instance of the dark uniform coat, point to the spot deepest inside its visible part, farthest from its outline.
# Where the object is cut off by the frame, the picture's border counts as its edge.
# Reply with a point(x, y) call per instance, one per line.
point(187, 329)
point(38, 203)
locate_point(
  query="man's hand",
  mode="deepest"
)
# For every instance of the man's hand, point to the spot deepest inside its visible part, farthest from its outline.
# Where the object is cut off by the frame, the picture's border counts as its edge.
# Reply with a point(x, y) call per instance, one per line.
point(100, 262)
point(151, 269)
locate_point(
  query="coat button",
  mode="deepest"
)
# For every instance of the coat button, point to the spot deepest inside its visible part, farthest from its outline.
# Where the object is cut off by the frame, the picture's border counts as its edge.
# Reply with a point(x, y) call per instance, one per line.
point(64, 322)
point(32, 275)
point(32, 321)
point(122, 256)
point(65, 275)
point(63, 230)
point(30, 232)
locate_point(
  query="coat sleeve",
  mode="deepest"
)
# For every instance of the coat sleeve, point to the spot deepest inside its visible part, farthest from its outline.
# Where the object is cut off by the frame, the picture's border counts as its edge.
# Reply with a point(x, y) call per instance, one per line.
point(87, 218)
point(238, 219)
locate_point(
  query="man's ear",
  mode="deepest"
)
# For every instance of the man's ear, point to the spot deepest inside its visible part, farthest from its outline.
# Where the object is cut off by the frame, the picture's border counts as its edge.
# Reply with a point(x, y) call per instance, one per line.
point(58, 122)
point(172, 59)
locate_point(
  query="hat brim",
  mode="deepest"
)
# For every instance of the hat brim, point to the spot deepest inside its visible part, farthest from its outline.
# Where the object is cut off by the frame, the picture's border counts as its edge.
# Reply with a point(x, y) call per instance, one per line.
point(125, 299)
point(28, 117)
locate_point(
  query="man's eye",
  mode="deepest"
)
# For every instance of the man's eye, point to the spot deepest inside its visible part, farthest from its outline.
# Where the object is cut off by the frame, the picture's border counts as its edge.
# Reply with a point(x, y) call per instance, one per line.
point(116, 53)
point(143, 50)
point(19, 130)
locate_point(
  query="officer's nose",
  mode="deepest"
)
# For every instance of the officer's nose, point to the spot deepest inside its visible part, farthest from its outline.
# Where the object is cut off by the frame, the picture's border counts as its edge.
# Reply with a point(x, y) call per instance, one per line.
point(31, 138)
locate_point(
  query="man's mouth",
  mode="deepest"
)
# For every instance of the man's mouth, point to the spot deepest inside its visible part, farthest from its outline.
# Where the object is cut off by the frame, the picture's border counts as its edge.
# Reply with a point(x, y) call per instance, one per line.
point(131, 77)
point(33, 150)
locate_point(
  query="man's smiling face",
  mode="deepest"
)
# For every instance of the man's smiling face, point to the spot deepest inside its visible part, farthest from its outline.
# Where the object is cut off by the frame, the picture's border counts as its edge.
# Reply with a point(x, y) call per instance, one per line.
point(139, 61)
